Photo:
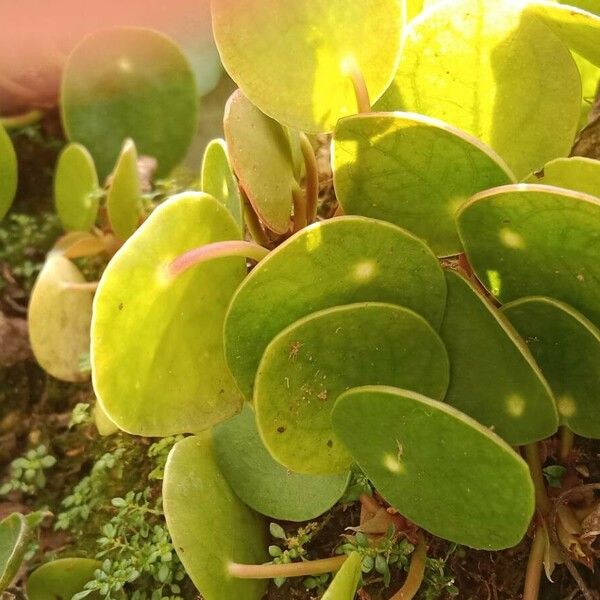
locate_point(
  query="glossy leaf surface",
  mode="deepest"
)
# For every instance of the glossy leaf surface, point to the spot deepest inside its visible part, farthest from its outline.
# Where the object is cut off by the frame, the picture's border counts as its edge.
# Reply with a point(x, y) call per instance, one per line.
point(14, 537)
point(210, 526)
point(261, 155)
point(157, 355)
point(344, 584)
point(576, 173)
point(310, 363)
point(494, 378)
point(124, 197)
point(134, 83)
point(218, 180)
point(567, 348)
point(438, 467)
point(413, 171)
point(61, 579)
point(536, 241)
point(76, 189)
point(302, 78)
point(264, 484)
point(8, 172)
point(340, 261)
point(59, 319)
point(494, 72)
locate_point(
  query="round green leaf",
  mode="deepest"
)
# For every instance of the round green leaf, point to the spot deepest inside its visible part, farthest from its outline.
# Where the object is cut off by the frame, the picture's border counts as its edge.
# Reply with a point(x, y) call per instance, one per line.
point(265, 485)
point(334, 262)
point(438, 467)
point(61, 579)
point(210, 526)
point(124, 198)
point(218, 180)
point(576, 173)
point(129, 82)
point(157, 353)
point(59, 319)
point(567, 347)
point(8, 172)
point(493, 377)
point(14, 537)
point(535, 240)
point(309, 364)
point(413, 171)
point(579, 29)
point(344, 584)
point(261, 156)
point(494, 72)
point(302, 78)
point(76, 189)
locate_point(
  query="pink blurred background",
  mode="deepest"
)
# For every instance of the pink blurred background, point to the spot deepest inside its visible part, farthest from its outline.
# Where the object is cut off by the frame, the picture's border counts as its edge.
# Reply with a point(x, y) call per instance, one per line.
point(36, 37)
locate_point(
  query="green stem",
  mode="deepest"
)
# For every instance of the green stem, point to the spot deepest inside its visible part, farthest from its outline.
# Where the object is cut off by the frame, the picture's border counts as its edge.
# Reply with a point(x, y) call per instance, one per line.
point(312, 177)
point(567, 439)
point(297, 569)
point(359, 84)
point(299, 209)
point(253, 222)
point(209, 252)
point(17, 121)
point(542, 501)
point(535, 565)
point(416, 573)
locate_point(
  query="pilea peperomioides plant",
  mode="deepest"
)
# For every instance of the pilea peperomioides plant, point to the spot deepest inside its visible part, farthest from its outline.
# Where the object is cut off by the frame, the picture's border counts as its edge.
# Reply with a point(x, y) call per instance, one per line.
point(435, 330)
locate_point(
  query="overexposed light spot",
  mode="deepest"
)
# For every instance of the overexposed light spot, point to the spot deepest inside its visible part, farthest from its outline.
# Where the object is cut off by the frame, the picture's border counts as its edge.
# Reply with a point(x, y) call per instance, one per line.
point(567, 406)
point(495, 283)
point(392, 464)
point(364, 270)
point(348, 65)
point(313, 238)
point(512, 239)
point(515, 405)
point(125, 65)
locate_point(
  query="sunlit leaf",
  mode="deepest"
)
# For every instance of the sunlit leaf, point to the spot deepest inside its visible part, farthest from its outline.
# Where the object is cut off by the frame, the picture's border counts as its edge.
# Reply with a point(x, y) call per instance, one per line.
point(576, 173)
point(340, 261)
point(59, 319)
point(567, 348)
point(61, 579)
point(536, 241)
point(76, 189)
point(579, 29)
point(210, 526)
point(493, 377)
point(14, 537)
point(218, 180)
point(309, 364)
point(438, 467)
point(413, 171)
point(8, 172)
point(261, 156)
point(124, 198)
point(157, 350)
point(344, 584)
point(129, 83)
point(494, 72)
point(296, 69)
point(77, 244)
point(264, 484)
point(590, 80)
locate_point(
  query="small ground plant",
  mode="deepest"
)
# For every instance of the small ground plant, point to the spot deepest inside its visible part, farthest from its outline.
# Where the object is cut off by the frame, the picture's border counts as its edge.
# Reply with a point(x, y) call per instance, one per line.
point(430, 351)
